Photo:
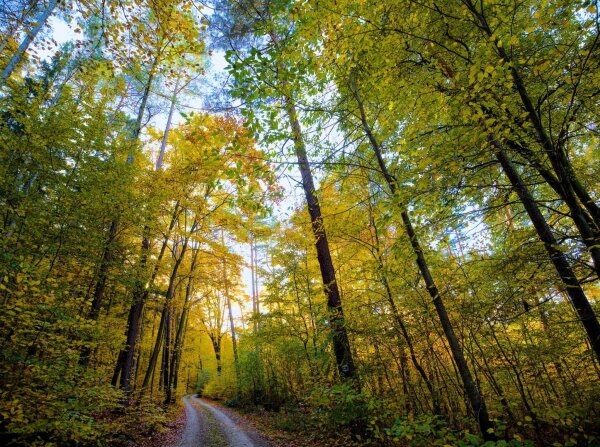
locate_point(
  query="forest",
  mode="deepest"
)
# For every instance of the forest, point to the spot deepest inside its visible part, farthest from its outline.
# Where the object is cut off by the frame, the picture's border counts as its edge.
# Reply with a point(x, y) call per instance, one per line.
point(344, 222)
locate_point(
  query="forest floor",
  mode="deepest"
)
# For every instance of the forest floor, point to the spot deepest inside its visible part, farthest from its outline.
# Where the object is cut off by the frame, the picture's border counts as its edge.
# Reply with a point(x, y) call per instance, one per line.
point(206, 423)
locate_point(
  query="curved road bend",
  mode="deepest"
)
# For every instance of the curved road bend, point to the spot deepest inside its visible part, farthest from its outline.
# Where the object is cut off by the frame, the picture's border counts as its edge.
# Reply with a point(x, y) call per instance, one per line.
point(208, 426)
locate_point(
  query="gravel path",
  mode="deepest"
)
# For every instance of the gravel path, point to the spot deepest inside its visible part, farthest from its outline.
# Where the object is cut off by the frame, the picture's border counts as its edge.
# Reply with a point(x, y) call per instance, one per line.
point(208, 426)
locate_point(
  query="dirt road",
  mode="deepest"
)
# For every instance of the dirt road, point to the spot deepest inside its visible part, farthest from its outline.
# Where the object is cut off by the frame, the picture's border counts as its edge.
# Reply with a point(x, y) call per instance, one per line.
point(209, 426)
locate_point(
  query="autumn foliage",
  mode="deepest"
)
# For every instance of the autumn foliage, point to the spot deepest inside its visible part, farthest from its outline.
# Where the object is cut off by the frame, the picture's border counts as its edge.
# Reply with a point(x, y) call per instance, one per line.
point(385, 230)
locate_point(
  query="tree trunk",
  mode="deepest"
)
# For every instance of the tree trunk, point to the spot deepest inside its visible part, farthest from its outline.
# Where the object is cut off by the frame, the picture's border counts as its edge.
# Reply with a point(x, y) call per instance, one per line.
point(398, 318)
point(341, 343)
point(125, 360)
point(576, 295)
point(555, 152)
point(254, 286)
point(179, 337)
point(233, 337)
point(339, 335)
point(175, 367)
point(166, 354)
point(231, 324)
point(154, 357)
point(163, 144)
point(40, 21)
point(166, 320)
point(472, 392)
point(216, 343)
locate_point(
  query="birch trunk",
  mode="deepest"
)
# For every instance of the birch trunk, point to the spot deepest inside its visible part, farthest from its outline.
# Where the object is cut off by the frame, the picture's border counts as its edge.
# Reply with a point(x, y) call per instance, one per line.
point(40, 21)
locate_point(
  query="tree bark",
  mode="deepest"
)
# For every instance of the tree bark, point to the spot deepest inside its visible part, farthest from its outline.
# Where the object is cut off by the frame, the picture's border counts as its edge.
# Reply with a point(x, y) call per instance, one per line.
point(179, 337)
point(231, 324)
point(576, 295)
point(554, 151)
point(216, 343)
point(341, 343)
point(471, 390)
point(40, 21)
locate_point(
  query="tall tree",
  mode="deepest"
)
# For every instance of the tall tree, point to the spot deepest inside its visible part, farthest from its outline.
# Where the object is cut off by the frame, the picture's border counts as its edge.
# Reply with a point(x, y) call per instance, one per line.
point(261, 17)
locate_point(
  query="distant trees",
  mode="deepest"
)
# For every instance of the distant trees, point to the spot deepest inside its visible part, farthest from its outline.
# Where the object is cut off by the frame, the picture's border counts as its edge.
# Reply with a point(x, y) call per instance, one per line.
point(93, 228)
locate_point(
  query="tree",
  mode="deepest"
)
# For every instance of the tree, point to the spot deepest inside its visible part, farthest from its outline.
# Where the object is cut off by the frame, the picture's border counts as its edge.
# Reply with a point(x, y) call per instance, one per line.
point(263, 16)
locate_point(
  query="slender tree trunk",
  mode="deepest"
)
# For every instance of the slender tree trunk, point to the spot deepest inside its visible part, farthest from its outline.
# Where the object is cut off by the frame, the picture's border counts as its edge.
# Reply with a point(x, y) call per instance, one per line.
point(138, 362)
point(179, 337)
point(175, 367)
point(141, 110)
point(254, 286)
point(163, 144)
point(165, 321)
point(341, 343)
point(173, 360)
point(166, 355)
point(576, 295)
point(231, 324)
point(169, 309)
point(137, 307)
point(107, 257)
point(472, 392)
point(233, 336)
point(164, 326)
point(40, 21)
point(554, 151)
point(398, 318)
point(160, 335)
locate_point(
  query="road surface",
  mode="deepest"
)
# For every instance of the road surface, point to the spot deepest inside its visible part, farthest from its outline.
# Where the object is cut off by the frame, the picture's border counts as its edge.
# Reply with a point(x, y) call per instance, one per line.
point(208, 426)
